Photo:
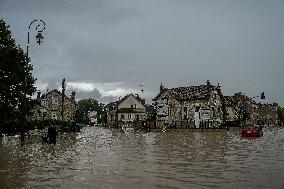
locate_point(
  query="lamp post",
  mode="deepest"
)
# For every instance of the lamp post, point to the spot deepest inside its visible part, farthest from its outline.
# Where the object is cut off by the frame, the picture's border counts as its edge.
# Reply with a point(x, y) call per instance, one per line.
point(117, 102)
point(39, 28)
point(39, 36)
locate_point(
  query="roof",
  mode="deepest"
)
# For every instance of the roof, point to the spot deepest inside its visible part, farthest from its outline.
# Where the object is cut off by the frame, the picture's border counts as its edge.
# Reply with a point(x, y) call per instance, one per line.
point(233, 100)
point(137, 97)
point(191, 92)
point(130, 110)
point(111, 105)
point(230, 100)
point(58, 92)
point(150, 109)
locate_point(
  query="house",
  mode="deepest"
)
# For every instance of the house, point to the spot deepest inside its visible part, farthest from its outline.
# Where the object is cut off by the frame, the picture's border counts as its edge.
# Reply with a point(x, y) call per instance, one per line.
point(93, 116)
point(267, 114)
point(241, 108)
point(192, 106)
point(49, 106)
point(130, 108)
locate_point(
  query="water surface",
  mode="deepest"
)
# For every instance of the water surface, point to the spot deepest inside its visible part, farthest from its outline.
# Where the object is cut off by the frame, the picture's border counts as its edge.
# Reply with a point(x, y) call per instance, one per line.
point(103, 158)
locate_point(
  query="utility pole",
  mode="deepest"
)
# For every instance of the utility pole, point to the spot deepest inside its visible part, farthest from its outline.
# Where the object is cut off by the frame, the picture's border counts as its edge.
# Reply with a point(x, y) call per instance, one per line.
point(62, 103)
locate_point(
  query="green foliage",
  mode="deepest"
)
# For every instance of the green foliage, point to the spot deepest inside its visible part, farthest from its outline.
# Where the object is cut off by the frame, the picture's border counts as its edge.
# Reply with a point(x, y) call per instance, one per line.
point(280, 114)
point(87, 105)
point(16, 79)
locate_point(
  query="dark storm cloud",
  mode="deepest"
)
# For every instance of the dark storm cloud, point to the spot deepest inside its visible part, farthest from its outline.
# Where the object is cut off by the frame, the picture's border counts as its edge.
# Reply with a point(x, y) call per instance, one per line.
point(103, 43)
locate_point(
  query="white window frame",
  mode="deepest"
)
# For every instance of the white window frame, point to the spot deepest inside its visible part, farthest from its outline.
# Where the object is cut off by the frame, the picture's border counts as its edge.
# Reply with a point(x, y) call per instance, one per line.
point(54, 115)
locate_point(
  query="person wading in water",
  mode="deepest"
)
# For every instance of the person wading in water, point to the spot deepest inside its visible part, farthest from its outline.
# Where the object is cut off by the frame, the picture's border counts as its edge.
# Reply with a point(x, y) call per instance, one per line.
point(51, 134)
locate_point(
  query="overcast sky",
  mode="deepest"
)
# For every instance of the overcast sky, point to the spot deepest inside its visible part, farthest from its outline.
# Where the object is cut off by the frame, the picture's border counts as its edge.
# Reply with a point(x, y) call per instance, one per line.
point(107, 48)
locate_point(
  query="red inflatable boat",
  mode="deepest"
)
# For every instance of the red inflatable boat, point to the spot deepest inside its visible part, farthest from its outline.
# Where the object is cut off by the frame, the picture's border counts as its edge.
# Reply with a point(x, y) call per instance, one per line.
point(252, 132)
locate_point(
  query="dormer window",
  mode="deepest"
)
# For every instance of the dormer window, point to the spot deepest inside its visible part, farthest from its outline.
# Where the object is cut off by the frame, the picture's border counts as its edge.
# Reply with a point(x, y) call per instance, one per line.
point(133, 105)
point(54, 99)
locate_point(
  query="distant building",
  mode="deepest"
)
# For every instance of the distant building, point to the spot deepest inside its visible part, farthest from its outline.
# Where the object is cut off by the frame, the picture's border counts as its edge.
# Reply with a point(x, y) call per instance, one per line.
point(240, 107)
point(130, 108)
point(267, 114)
point(93, 117)
point(191, 106)
point(49, 106)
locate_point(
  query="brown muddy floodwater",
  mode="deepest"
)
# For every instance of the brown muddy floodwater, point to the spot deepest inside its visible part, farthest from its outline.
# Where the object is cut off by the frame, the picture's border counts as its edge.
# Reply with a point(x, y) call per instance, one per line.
point(103, 158)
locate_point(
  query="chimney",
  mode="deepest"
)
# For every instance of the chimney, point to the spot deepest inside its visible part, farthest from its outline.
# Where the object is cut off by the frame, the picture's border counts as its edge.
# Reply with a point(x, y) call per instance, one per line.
point(208, 83)
point(72, 96)
point(161, 87)
point(218, 86)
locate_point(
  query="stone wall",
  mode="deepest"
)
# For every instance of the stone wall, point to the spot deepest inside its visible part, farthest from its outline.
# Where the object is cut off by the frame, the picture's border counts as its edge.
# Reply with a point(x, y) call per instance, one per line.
point(267, 114)
point(69, 106)
point(176, 107)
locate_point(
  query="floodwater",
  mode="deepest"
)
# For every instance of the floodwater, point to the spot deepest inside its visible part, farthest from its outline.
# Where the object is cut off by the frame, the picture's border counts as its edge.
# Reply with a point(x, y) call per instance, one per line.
point(103, 158)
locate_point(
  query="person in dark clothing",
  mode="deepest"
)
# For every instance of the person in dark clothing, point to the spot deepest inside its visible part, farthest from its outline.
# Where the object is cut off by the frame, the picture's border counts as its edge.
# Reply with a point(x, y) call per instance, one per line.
point(51, 134)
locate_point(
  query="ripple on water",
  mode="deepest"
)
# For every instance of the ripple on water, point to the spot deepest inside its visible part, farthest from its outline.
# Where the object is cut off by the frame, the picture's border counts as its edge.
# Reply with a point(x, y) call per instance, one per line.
point(102, 158)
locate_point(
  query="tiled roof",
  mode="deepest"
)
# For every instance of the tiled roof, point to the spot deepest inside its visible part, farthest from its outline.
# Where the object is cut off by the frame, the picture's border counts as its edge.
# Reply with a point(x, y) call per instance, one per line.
point(111, 105)
point(58, 92)
point(150, 109)
point(192, 92)
point(233, 100)
point(230, 100)
point(130, 110)
point(189, 93)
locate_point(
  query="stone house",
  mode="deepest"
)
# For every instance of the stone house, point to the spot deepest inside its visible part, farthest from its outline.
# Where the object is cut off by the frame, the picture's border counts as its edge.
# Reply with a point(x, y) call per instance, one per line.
point(93, 117)
point(49, 106)
point(240, 107)
point(268, 114)
point(192, 106)
point(128, 109)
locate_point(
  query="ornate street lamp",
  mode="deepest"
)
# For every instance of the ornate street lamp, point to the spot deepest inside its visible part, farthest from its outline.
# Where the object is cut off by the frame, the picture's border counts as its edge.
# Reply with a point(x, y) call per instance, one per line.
point(39, 28)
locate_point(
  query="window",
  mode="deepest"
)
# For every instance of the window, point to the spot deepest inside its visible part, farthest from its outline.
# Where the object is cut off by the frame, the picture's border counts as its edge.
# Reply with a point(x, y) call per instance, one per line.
point(54, 115)
point(122, 116)
point(184, 113)
point(197, 108)
point(137, 117)
point(129, 116)
point(54, 99)
point(44, 103)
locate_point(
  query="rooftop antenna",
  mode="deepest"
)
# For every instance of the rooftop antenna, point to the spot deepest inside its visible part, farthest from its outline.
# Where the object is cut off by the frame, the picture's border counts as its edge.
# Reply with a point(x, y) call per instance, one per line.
point(142, 87)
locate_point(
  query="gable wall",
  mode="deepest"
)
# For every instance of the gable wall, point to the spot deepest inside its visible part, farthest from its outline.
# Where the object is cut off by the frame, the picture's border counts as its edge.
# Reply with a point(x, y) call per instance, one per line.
point(131, 100)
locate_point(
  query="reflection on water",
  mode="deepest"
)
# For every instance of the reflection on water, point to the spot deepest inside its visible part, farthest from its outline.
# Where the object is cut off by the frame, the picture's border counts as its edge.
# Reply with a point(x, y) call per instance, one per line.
point(102, 158)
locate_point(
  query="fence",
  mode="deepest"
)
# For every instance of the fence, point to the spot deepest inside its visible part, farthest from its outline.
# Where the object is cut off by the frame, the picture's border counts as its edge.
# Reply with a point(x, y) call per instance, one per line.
point(189, 124)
